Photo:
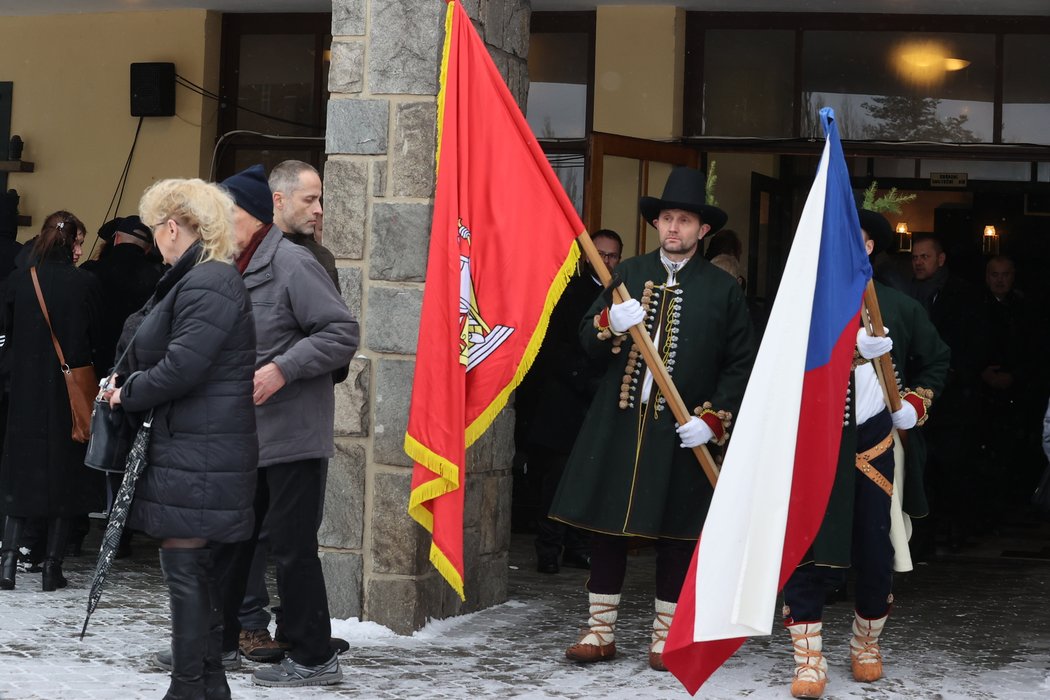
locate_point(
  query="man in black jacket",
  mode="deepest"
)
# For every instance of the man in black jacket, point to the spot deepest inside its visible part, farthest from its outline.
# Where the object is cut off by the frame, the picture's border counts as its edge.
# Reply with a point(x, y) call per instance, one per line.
point(956, 311)
point(560, 387)
point(127, 277)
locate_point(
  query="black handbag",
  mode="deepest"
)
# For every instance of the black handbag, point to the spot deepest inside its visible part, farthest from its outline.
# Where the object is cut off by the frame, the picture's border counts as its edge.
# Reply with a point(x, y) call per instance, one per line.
point(111, 432)
point(111, 438)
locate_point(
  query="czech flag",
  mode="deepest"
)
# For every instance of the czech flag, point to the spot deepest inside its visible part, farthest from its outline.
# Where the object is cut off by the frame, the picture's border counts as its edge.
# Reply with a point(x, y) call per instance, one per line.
point(502, 249)
point(778, 472)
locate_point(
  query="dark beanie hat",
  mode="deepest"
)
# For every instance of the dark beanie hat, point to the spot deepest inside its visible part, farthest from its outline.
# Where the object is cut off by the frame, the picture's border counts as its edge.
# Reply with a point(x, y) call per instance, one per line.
point(133, 226)
point(251, 192)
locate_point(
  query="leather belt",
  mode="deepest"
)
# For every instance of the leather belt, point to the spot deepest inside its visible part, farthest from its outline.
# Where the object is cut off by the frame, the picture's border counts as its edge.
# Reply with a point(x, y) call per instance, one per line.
point(866, 468)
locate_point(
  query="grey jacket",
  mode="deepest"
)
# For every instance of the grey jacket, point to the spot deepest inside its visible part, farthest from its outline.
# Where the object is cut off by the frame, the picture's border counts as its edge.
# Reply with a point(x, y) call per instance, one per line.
point(302, 325)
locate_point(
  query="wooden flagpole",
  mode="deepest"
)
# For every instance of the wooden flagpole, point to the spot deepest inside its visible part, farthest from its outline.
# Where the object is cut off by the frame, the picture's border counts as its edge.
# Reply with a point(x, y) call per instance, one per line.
point(652, 358)
point(884, 364)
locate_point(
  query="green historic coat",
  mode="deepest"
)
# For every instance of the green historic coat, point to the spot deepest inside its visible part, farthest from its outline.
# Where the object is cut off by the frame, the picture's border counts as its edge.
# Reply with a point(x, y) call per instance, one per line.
point(627, 474)
point(921, 359)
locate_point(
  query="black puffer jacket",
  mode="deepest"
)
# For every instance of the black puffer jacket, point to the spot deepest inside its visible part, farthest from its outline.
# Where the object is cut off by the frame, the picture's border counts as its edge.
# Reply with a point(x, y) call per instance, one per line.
point(192, 361)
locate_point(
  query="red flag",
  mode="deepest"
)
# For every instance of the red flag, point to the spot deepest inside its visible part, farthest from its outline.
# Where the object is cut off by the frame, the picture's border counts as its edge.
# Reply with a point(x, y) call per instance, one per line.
point(502, 246)
point(779, 468)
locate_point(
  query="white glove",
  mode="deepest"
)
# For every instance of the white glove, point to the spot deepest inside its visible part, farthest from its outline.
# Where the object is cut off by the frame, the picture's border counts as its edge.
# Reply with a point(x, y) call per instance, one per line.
point(623, 316)
point(695, 432)
point(872, 346)
point(904, 418)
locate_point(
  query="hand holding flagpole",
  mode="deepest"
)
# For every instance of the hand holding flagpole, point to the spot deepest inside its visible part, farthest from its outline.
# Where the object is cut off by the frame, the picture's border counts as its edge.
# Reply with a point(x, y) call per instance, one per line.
point(652, 358)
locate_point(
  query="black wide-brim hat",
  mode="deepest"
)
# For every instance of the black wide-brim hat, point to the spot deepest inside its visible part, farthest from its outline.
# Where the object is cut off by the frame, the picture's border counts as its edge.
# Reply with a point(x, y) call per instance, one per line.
point(878, 229)
point(686, 189)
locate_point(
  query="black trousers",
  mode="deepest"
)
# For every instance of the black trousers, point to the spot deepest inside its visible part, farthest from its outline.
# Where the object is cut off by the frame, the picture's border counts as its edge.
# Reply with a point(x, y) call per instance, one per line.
point(609, 565)
point(552, 536)
point(289, 498)
point(871, 550)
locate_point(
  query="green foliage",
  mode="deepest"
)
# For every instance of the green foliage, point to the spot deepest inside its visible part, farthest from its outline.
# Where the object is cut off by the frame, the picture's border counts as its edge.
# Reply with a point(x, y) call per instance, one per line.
point(891, 201)
point(712, 178)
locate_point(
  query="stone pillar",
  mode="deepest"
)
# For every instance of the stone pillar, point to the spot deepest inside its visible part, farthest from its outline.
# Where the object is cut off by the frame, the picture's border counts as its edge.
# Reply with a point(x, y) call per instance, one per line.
point(379, 187)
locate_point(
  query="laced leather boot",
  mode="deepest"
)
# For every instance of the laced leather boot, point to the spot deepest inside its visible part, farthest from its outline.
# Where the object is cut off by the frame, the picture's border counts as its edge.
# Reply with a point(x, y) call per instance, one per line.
point(865, 657)
point(811, 669)
point(661, 626)
point(598, 641)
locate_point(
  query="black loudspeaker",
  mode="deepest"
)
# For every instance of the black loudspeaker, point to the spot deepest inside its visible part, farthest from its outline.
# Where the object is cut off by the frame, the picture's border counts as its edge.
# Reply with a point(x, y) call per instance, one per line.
point(152, 89)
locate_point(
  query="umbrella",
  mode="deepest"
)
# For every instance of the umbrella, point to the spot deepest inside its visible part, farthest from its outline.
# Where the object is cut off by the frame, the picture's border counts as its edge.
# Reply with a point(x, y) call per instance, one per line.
point(118, 515)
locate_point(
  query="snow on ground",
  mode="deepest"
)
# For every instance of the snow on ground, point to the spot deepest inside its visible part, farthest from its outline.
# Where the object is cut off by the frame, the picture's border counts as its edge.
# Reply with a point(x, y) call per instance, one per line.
point(960, 631)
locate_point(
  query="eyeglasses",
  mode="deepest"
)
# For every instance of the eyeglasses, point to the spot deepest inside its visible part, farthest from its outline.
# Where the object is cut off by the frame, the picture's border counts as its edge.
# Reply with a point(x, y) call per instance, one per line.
point(609, 256)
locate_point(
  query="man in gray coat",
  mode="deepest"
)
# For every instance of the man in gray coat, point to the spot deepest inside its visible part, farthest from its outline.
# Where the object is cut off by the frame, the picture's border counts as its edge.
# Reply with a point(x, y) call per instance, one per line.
point(304, 332)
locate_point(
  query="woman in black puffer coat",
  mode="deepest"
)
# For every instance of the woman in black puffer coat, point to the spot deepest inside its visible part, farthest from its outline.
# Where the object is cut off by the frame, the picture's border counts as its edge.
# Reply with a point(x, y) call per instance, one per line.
point(192, 361)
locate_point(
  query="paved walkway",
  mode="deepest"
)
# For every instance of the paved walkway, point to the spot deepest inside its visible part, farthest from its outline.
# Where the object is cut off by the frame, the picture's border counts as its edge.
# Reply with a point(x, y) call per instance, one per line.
point(973, 626)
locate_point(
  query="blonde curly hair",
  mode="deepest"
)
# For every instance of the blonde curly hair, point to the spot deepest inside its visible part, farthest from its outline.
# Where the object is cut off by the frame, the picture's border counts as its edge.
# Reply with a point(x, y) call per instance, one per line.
point(202, 208)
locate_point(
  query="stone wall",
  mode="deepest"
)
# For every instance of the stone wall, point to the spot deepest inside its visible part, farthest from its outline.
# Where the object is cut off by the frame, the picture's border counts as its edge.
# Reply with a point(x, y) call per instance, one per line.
point(379, 185)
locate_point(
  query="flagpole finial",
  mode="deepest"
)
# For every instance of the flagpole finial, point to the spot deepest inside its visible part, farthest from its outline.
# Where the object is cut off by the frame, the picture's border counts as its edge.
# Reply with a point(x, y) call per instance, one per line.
point(827, 119)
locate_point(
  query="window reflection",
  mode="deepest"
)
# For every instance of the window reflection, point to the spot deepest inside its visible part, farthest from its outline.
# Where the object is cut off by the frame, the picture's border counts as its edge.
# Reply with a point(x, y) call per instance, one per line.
point(1026, 90)
point(557, 103)
point(748, 79)
point(569, 169)
point(916, 87)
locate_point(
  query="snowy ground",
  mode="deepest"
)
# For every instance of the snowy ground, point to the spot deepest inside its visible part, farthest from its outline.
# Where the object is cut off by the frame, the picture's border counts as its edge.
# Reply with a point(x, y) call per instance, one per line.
point(963, 628)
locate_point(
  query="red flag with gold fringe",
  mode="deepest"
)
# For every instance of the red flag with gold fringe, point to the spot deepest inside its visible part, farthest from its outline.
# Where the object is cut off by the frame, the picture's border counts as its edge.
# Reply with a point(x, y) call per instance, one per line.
point(501, 252)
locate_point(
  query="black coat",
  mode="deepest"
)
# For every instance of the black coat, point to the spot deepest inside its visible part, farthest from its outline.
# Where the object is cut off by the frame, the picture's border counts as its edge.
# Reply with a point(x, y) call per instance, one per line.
point(42, 473)
point(127, 278)
point(564, 378)
point(192, 360)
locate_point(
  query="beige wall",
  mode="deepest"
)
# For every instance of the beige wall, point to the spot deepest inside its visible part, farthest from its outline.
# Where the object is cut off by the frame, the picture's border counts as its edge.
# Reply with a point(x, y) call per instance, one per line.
point(639, 60)
point(733, 188)
point(71, 106)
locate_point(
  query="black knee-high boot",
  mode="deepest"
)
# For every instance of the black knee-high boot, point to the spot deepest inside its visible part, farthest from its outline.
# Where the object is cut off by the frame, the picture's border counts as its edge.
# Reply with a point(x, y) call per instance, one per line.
point(215, 685)
point(9, 557)
point(186, 573)
point(57, 536)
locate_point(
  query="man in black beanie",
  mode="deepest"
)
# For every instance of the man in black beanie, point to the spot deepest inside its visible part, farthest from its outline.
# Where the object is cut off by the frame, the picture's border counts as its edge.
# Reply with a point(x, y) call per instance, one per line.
point(304, 331)
point(251, 191)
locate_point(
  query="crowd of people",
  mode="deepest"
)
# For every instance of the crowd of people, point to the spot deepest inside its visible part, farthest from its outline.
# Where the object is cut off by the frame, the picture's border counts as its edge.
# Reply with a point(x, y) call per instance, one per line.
point(971, 395)
point(215, 316)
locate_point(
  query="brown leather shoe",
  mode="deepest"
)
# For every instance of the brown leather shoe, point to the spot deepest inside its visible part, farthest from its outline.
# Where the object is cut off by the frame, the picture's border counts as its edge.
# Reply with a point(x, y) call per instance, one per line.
point(589, 653)
point(656, 661)
point(257, 645)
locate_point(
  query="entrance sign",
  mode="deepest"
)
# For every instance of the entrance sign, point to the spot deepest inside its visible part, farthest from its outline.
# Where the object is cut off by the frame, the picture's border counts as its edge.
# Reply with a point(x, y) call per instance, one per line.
point(948, 179)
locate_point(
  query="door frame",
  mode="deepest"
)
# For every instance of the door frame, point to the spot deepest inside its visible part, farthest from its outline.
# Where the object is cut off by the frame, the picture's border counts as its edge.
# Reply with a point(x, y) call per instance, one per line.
point(645, 152)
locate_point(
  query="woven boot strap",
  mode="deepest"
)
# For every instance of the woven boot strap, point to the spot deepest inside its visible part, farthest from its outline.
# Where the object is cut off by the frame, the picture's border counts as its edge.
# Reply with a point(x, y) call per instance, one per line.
point(812, 656)
point(864, 647)
point(866, 468)
point(598, 627)
point(661, 626)
point(869, 649)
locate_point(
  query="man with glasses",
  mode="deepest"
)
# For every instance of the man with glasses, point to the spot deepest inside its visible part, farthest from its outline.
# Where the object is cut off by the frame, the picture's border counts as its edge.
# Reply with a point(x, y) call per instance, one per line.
point(551, 405)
